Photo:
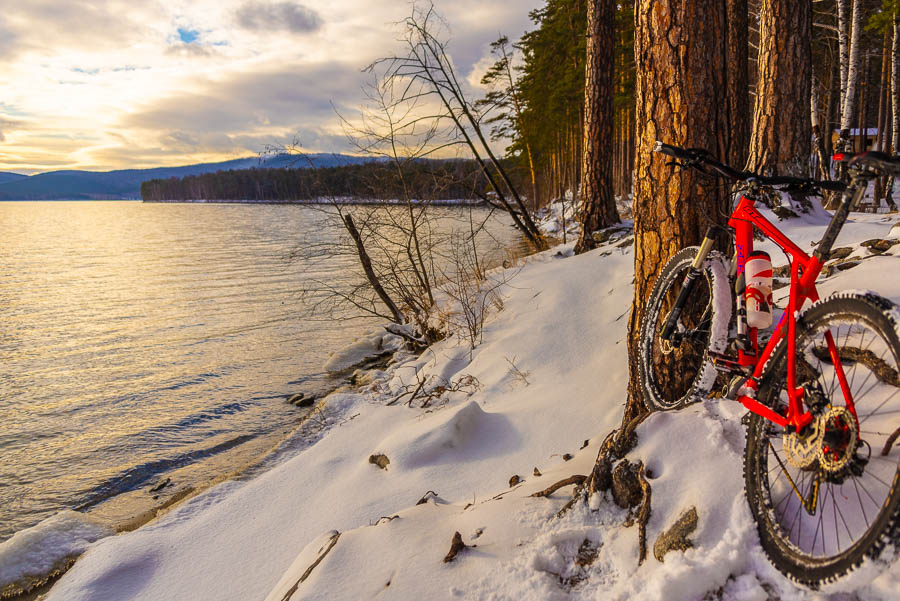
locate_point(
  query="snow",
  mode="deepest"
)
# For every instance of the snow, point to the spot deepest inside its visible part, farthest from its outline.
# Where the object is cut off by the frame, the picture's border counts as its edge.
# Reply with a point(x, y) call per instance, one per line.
point(373, 344)
point(559, 218)
point(38, 551)
point(550, 374)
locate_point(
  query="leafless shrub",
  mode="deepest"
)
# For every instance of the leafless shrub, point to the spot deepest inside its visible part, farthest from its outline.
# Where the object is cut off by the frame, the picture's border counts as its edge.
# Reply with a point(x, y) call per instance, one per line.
point(520, 375)
point(427, 390)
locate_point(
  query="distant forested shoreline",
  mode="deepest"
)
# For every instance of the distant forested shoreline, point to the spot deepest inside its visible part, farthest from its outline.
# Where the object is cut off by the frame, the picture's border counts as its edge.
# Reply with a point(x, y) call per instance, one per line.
point(437, 181)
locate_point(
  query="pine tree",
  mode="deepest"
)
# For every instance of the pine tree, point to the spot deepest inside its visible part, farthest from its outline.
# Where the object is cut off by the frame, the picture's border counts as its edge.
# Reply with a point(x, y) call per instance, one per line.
point(780, 139)
point(680, 100)
point(599, 207)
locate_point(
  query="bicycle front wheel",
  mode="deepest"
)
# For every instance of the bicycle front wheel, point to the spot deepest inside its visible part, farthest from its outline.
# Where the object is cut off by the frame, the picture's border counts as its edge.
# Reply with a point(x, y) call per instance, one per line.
point(672, 376)
point(826, 498)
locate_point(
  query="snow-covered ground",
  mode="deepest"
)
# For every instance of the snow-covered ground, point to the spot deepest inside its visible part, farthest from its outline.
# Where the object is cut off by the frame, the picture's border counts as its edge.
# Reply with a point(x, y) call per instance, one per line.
point(549, 376)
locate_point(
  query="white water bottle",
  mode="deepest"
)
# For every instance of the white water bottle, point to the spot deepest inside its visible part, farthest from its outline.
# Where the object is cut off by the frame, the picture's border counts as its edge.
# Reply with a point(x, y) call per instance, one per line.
point(758, 293)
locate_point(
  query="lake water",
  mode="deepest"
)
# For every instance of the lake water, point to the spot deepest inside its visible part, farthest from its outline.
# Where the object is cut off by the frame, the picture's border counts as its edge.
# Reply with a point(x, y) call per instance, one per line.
point(140, 342)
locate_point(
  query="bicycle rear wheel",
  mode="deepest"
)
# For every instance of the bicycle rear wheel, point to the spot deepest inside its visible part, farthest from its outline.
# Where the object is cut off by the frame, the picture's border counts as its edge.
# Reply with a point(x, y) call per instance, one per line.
point(828, 497)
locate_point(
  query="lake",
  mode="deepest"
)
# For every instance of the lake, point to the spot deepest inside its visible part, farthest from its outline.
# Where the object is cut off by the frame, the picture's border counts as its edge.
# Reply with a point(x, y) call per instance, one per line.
point(145, 342)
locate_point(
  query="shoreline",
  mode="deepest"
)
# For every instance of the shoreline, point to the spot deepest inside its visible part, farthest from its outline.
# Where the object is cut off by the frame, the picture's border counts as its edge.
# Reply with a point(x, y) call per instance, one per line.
point(119, 511)
point(330, 201)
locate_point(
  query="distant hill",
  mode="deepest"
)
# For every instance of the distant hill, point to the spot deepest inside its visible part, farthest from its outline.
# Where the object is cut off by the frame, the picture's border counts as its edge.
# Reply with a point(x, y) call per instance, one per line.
point(94, 185)
point(6, 177)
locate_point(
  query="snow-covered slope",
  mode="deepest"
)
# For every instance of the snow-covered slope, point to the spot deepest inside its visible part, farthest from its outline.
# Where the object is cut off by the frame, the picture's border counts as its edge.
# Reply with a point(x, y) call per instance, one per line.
point(550, 374)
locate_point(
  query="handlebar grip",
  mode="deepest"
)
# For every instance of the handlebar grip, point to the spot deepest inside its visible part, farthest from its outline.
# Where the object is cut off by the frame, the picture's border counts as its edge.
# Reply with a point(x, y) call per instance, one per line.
point(673, 151)
point(871, 158)
point(831, 185)
point(878, 160)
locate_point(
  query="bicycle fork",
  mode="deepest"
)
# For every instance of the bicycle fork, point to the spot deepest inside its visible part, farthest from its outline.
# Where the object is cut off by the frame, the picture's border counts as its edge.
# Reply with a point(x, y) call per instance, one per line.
point(687, 287)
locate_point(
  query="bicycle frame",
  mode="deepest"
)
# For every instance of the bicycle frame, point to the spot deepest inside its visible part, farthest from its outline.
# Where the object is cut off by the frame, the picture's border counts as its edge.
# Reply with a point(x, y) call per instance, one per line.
point(804, 271)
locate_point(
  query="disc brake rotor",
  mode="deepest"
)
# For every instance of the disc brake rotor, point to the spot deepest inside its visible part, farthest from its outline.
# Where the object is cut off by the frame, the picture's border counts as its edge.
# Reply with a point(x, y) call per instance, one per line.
point(838, 439)
point(802, 449)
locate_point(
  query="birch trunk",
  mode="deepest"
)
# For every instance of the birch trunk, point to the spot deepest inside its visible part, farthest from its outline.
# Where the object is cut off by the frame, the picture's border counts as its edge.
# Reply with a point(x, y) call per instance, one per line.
point(818, 142)
point(895, 104)
point(843, 17)
point(849, 89)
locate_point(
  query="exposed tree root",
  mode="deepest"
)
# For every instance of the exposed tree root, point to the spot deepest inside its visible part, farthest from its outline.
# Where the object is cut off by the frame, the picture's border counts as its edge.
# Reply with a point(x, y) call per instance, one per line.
point(293, 589)
point(627, 481)
point(643, 515)
point(456, 545)
point(576, 479)
point(428, 495)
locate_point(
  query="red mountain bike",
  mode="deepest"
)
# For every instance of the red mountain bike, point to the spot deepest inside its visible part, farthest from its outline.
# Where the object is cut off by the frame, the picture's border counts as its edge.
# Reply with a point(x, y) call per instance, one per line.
point(823, 392)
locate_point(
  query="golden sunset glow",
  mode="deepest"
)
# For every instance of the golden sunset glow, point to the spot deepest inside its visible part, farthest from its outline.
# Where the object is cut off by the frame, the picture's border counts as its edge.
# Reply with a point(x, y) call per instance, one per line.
point(113, 84)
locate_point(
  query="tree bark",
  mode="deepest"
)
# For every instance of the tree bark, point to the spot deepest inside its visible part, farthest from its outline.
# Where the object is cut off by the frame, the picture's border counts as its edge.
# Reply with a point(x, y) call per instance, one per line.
point(738, 92)
point(843, 18)
point(881, 141)
point(849, 89)
point(780, 142)
point(599, 207)
point(818, 142)
point(863, 129)
point(681, 97)
point(895, 104)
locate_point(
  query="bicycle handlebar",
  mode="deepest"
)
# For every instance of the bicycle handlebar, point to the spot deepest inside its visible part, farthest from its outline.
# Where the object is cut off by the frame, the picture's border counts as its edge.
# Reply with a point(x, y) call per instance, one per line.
point(876, 160)
point(694, 157)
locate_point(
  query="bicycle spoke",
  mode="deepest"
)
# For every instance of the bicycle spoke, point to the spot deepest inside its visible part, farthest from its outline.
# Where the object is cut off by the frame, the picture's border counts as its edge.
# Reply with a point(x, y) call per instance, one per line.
point(861, 505)
point(855, 363)
point(840, 513)
point(883, 403)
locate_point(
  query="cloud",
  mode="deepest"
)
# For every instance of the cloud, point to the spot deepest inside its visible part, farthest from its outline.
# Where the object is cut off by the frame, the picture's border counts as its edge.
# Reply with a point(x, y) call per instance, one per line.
point(49, 25)
point(268, 16)
point(240, 75)
point(248, 101)
point(190, 50)
point(8, 41)
point(8, 125)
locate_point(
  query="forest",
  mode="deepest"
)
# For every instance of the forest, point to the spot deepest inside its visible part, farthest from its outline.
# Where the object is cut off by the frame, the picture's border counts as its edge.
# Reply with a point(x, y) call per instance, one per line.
point(429, 180)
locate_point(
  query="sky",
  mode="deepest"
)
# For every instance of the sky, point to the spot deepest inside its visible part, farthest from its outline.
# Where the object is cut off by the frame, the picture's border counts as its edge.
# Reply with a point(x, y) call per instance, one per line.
point(115, 84)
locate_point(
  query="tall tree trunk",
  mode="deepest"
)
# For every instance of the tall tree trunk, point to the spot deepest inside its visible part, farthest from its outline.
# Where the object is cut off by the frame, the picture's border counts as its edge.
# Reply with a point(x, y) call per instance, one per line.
point(843, 19)
point(895, 104)
point(818, 142)
point(849, 89)
point(681, 98)
point(862, 138)
point(883, 94)
point(881, 140)
point(738, 93)
point(599, 206)
point(831, 111)
point(780, 141)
